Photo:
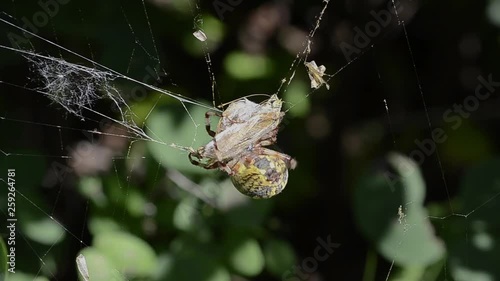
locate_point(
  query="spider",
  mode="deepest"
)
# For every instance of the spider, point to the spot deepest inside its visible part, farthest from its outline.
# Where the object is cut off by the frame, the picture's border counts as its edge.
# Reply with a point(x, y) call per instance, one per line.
point(238, 147)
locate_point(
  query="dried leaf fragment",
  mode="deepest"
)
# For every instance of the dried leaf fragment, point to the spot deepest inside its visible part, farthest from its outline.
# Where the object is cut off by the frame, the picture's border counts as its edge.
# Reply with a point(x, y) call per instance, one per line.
point(200, 35)
point(316, 75)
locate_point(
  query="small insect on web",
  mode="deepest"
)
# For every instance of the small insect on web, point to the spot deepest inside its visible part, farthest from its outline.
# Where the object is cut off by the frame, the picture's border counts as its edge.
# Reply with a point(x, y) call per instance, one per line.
point(316, 74)
point(239, 148)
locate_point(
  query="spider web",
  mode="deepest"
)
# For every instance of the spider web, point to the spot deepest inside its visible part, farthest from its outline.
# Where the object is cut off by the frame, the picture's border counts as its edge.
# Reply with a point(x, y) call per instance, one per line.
point(93, 93)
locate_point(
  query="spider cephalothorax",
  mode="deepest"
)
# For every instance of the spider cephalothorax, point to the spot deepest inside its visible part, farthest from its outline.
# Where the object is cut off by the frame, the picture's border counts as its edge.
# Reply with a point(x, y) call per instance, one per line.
point(238, 147)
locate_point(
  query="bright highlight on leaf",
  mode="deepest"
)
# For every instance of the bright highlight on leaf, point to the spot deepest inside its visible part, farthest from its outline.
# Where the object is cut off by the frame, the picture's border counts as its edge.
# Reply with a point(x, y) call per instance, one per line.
point(244, 66)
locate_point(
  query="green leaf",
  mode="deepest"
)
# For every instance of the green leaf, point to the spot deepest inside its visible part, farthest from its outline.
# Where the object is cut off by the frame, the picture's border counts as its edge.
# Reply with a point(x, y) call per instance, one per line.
point(3, 260)
point(21, 276)
point(136, 203)
point(99, 224)
point(409, 273)
point(44, 231)
point(128, 253)
point(246, 66)
point(493, 12)
point(188, 217)
point(389, 211)
point(98, 267)
point(296, 94)
point(480, 185)
point(279, 256)
point(412, 242)
point(475, 256)
point(173, 126)
point(194, 261)
point(244, 254)
point(91, 188)
point(249, 214)
point(474, 245)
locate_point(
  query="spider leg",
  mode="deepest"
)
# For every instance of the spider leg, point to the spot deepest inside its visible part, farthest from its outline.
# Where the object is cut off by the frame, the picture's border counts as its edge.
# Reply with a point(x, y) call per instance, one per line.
point(196, 154)
point(211, 166)
point(193, 161)
point(225, 168)
point(208, 114)
point(194, 158)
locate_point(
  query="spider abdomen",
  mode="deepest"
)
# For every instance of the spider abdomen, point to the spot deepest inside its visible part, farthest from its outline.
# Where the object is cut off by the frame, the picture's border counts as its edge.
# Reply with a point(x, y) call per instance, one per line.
point(260, 176)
